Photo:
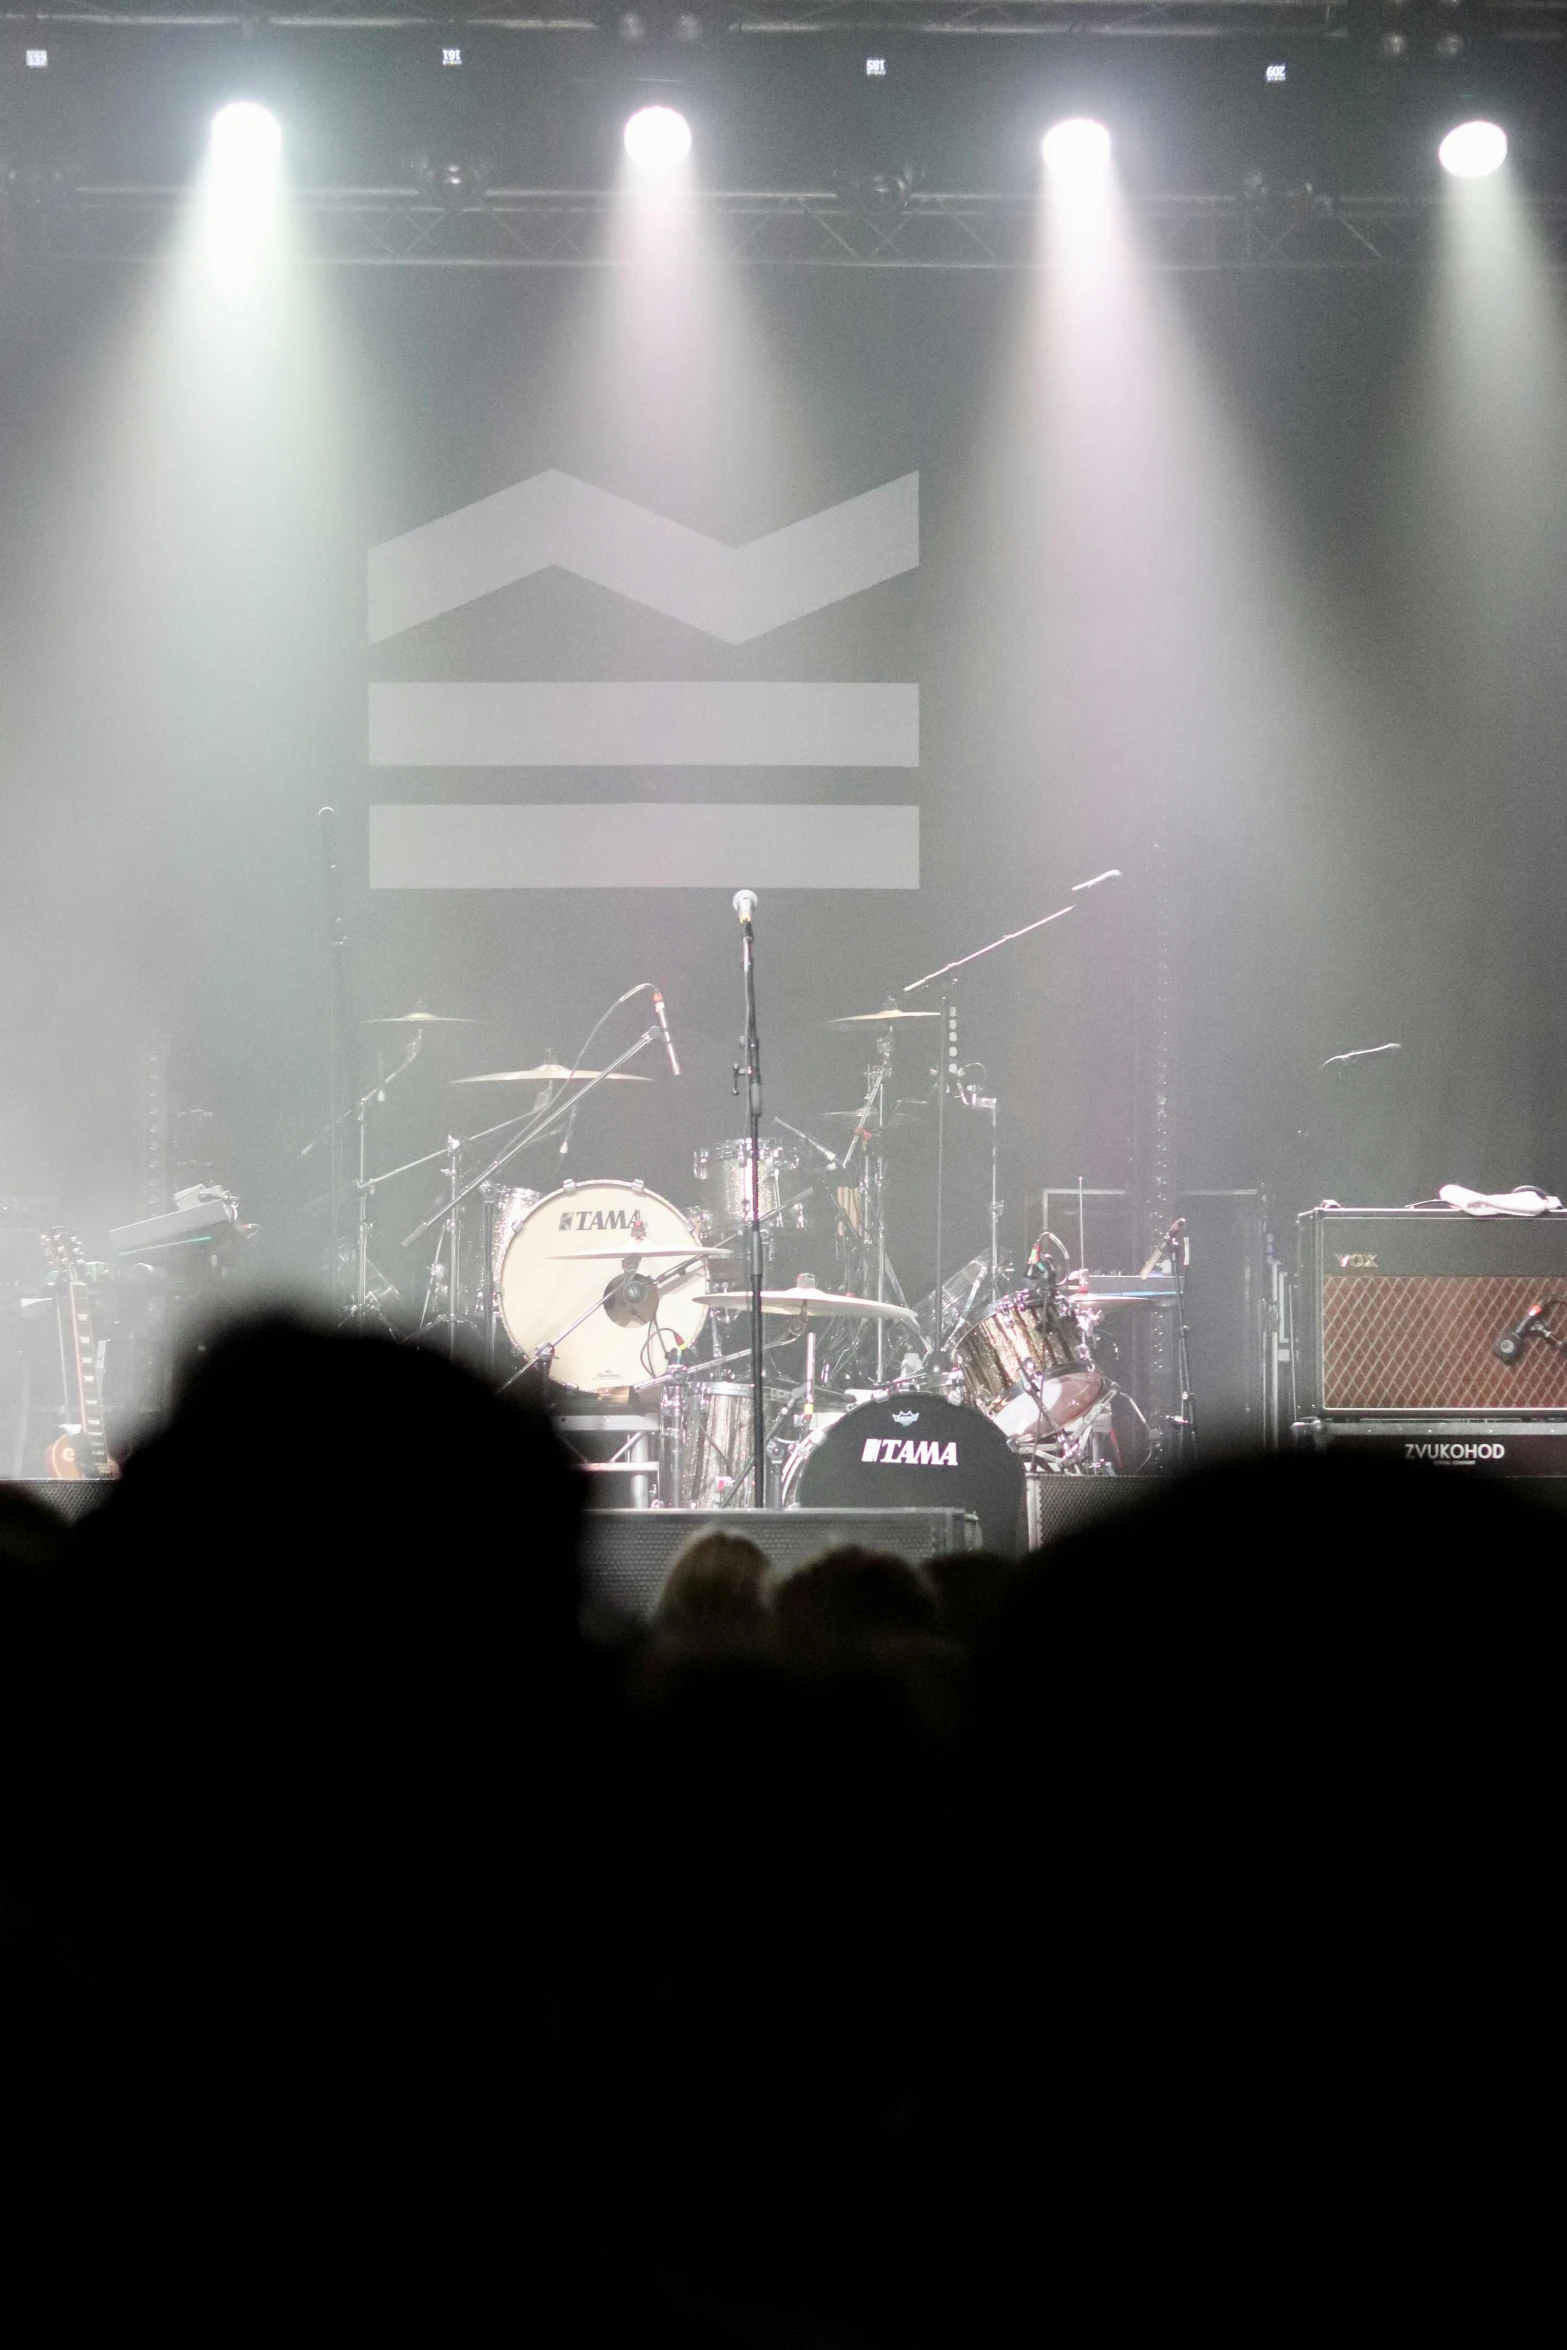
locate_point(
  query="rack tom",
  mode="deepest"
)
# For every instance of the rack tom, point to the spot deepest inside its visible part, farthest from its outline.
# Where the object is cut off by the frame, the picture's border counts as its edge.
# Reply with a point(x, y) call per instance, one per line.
point(1026, 1366)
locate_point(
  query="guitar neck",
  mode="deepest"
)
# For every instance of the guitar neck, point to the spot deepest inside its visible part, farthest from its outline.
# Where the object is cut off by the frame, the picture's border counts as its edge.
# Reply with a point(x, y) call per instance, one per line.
point(84, 1355)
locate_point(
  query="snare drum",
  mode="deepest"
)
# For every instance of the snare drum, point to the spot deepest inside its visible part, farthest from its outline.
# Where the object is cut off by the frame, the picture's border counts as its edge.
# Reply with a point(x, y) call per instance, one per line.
point(1026, 1366)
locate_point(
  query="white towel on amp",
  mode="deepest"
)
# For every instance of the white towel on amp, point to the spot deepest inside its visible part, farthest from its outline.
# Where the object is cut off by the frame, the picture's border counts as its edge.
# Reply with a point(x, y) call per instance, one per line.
point(1527, 1200)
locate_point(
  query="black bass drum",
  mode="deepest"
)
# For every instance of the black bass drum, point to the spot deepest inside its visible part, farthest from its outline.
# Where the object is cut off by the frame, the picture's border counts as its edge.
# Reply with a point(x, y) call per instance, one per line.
point(908, 1452)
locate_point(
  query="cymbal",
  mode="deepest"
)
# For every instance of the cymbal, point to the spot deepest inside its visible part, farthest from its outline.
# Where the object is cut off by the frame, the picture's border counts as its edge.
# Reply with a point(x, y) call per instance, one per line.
point(588, 1256)
point(422, 1020)
point(875, 1019)
point(812, 1305)
point(550, 1073)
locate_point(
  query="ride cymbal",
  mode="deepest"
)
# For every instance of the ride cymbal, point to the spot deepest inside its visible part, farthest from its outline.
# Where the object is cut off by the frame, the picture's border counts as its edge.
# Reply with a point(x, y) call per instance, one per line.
point(422, 1020)
point(875, 1019)
point(812, 1305)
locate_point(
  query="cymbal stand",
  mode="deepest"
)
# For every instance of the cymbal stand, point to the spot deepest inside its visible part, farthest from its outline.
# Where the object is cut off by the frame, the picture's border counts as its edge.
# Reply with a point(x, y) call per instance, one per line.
point(559, 1109)
point(947, 1056)
point(448, 1243)
point(745, 907)
point(868, 1130)
point(365, 1185)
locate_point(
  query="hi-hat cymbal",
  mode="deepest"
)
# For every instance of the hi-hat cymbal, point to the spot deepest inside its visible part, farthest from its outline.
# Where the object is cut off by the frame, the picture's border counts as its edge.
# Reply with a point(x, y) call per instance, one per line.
point(550, 1073)
point(422, 1020)
point(875, 1019)
point(811, 1305)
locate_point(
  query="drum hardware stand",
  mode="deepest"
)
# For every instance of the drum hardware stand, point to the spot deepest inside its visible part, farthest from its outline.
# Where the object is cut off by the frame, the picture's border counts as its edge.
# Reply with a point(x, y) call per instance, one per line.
point(946, 975)
point(448, 1242)
point(365, 1186)
point(873, 1216)
point(745, 908)
point(540, 1126)
point(337, 1029)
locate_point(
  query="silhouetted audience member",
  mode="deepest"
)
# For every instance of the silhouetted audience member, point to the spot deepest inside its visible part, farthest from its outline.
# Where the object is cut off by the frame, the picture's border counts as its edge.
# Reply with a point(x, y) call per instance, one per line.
point(304, 1805)
point(1258, 2011)
point(716, 1592)
point(850, 1597)
point(970, 1586)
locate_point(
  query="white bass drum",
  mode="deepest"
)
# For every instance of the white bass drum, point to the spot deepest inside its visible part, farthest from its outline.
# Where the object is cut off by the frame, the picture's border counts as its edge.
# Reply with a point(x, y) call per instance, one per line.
point(598, 1271)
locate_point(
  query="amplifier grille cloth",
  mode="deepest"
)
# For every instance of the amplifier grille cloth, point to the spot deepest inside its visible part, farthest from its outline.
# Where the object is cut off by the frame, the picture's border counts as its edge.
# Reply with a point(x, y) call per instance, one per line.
point(1422, 1343)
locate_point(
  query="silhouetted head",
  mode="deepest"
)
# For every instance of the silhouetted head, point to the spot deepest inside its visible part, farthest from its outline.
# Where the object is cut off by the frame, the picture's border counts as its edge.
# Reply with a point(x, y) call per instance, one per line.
point(851, 1597)
point(716, 1590)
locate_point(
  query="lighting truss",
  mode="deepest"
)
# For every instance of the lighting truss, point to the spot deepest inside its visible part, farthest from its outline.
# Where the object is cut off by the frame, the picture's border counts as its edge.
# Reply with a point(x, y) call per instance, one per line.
point(1528, 19)
point(544, 228)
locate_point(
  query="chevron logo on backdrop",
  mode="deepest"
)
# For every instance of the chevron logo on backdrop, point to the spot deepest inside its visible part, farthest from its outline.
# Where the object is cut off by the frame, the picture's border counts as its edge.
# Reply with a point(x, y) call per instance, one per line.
point(734, 594)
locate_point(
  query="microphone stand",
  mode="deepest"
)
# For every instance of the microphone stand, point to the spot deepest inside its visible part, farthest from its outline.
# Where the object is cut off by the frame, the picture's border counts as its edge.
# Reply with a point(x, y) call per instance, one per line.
point(753, 1078)
point(948, 975)
point(559, 1109)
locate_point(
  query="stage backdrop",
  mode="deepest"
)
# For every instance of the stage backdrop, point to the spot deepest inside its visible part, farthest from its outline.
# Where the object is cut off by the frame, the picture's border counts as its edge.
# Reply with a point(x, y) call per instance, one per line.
point(585, 598)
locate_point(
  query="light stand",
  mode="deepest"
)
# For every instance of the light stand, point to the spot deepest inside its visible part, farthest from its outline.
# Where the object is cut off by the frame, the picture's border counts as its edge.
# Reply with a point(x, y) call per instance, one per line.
point(745, 908)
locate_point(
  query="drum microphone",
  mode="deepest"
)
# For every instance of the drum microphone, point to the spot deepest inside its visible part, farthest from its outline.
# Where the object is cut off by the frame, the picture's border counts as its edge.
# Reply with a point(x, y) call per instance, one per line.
point(669, 1042)
point(1510, 1345)
point(745, 906)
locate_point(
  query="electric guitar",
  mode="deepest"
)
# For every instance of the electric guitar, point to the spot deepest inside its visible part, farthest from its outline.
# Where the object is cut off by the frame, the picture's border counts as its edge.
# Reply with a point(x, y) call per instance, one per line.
point(80, 1452)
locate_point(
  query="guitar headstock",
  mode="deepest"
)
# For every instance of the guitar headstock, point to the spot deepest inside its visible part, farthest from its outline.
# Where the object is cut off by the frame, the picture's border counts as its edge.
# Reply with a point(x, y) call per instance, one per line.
point(62, 1251)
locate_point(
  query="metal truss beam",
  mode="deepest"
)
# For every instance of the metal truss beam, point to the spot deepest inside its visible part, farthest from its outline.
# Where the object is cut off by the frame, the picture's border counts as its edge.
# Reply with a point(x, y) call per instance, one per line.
point(524, 228)
point(1530, 19)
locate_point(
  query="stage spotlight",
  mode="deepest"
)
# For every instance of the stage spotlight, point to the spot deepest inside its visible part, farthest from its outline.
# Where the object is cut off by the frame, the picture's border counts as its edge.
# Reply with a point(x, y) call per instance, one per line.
point(246, 141)
point(1473, 150)
point(657, 138)
point(1078, 149)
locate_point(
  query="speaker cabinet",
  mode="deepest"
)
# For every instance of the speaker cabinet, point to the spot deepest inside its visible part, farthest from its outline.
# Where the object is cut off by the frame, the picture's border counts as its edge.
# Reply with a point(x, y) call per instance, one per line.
point(1401, 1309)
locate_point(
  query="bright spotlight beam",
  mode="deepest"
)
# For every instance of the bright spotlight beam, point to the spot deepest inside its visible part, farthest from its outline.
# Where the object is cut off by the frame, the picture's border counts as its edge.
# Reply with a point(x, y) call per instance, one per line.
point(657, 138)
point(1078, 149)
point(246, 140)
point(1473, 150)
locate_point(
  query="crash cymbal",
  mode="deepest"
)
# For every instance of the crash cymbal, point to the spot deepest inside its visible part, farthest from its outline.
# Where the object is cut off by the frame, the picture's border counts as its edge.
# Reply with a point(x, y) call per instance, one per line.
point(550, 1073)
point(875, 1019)
point(811, 1305)
point(422, 1020)
point(586, 1256)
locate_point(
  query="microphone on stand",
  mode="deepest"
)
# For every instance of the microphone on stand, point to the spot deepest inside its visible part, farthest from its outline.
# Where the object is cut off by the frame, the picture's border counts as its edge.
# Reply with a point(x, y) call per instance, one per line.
point(1510, 1345)
point(669, 1042)
point(571, 1120)
point(745, 906)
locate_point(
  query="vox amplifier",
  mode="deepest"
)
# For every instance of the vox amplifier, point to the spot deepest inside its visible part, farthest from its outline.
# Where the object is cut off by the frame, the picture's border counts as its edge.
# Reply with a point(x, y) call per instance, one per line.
point(1422, 1311)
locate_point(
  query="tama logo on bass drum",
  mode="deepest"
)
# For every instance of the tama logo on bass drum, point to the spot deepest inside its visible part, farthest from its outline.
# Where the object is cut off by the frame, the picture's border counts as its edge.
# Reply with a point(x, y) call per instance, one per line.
point(928, 1453)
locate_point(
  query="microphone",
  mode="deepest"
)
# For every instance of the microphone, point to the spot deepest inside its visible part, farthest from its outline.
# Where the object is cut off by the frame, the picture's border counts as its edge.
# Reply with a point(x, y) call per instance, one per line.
point(669, 1042)
point(745, 906)
point(571, 1120)
point(1510, 1345)
point(1113, 873)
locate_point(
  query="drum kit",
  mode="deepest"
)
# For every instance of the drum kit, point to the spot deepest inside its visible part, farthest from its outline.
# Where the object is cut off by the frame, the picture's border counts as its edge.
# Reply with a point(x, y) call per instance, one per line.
point(634, 1316)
